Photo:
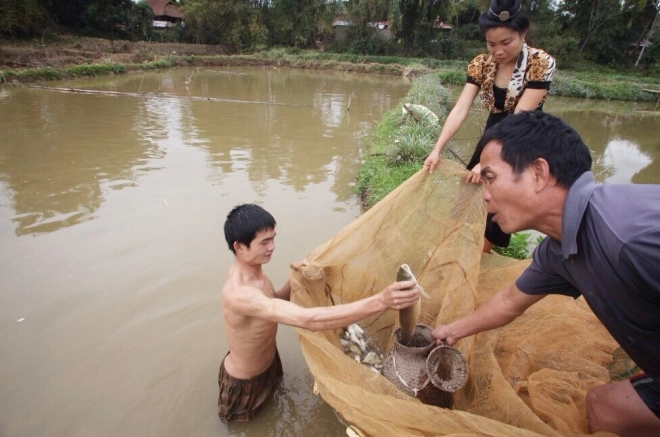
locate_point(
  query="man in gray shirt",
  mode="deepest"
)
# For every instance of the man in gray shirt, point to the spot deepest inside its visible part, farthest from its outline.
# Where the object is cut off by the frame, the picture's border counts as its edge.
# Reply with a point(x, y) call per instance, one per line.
point(603, 243)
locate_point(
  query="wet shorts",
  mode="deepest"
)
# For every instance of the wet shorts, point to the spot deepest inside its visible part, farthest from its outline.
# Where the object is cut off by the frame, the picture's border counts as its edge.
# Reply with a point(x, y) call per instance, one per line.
point(240, 399)
point(649, 390)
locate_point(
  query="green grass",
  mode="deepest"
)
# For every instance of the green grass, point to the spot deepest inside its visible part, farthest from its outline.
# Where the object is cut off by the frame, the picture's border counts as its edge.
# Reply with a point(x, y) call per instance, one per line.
point(376, 178)
point(593, 83)
point(82, 70)
point(520, 246)
point(30, 75)
point(399, 143)
point(94, 70)
point(607, 86)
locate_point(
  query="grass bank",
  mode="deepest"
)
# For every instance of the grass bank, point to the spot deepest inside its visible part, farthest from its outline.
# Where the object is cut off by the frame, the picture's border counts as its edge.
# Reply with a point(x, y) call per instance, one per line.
point(80, 58)
point(401, 141)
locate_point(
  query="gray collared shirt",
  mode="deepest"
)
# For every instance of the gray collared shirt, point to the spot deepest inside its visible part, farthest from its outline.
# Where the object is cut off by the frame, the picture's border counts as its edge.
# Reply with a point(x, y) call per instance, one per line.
point(610, 254)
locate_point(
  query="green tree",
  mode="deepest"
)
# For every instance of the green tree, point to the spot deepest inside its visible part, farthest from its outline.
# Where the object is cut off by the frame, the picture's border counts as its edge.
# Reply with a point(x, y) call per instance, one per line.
point(235, 23)
point(649, 24)
point(361, 36)
point(140, 19)
point(417, 18)
point(22, 18)
point(607, 29)
point(296, 23)
point(108, 18)
point(68, 13)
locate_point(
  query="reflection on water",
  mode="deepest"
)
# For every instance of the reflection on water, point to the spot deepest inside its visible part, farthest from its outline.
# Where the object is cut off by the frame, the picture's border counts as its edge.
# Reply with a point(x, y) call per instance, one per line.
point(626, 160)
point(56, 162)
point(110, 313)
point(62, 152)
point(624, 139)
point(626, 142)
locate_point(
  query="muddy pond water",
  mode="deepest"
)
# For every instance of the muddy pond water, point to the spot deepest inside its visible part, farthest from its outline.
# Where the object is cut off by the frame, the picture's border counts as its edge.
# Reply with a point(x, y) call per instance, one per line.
point(112, 253)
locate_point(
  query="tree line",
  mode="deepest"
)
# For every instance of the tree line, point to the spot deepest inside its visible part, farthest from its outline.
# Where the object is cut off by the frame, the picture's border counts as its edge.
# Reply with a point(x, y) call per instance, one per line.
point(621, 33)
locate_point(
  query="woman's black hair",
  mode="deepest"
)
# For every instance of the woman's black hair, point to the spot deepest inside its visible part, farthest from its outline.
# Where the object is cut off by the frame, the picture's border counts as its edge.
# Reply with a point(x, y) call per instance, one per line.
point(504, 13)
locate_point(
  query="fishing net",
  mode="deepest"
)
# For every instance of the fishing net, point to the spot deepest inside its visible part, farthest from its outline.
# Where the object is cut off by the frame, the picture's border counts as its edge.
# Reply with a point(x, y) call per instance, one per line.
point(528, 378)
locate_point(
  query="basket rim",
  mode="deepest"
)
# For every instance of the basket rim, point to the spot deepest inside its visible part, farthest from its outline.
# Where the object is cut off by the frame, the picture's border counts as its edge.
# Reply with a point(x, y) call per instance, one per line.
point(458, 371)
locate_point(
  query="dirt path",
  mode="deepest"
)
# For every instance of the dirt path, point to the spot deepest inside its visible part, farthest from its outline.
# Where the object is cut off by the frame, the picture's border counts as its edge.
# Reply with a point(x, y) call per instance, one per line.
point(71, 50)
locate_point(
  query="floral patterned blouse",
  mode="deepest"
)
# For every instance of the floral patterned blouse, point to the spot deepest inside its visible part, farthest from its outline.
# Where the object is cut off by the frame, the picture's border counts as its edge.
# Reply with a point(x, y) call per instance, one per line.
point(534, 69)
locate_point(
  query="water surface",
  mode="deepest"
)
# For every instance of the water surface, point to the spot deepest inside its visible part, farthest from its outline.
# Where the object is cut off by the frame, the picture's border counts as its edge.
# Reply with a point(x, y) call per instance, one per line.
point(112, 255)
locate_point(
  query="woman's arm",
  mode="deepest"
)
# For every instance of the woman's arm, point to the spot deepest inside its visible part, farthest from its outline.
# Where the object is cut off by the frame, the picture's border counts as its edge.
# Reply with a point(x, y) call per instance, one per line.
point(530, 100)
point(453, 123)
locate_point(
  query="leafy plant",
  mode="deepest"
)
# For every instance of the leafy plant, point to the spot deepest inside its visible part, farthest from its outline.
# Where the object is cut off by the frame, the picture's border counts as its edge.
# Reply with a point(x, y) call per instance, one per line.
point(520, 246)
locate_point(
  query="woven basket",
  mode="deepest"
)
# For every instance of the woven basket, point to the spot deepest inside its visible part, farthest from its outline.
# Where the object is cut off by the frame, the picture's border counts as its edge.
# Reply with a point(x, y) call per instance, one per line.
point(447, 368)
point(406, 367)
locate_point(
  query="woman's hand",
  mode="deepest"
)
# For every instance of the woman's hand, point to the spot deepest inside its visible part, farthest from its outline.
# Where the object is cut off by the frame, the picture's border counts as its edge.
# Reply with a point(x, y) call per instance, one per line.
point(475, 175)
point(432, 161)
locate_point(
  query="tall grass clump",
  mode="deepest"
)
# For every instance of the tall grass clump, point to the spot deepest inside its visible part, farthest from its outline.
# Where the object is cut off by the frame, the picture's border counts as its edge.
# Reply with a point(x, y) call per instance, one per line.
point(401, 142)
point(602, 86)
point(521, 245)
point(30, 75)
point(95, 70)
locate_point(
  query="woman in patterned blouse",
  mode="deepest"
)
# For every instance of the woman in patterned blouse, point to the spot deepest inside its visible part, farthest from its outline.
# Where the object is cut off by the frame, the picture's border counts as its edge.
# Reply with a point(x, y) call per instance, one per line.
point(512, 77)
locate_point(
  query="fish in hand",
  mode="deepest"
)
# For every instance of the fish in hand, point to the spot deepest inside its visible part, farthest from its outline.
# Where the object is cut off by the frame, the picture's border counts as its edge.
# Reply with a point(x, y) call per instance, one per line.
point(408, 316)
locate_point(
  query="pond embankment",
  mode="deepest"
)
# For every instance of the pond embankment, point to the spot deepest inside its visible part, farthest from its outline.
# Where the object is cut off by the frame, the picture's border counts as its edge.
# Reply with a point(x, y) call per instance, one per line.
point(68, 57)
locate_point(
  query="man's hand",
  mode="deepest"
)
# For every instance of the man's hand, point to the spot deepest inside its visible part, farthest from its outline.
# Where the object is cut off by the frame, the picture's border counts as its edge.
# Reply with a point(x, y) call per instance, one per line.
point(502, 308)
point(432, 161)
point(400, 295)
point(297, 265)
point(475, 175)
point(442, 335)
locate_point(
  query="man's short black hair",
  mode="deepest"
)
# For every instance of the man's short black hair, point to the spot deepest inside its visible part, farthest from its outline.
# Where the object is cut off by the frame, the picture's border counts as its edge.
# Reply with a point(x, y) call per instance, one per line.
point(244, 222)
point(528, 136)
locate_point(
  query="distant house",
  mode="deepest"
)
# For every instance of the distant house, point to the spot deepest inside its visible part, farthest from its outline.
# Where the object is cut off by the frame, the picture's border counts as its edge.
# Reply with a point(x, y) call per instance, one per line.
point(166, 13)
point(381, 28)
point(341, 25)
point(437, 24)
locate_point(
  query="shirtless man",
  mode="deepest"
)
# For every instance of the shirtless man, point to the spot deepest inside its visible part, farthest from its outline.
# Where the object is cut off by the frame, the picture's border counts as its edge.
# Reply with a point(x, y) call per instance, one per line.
point(252, 309)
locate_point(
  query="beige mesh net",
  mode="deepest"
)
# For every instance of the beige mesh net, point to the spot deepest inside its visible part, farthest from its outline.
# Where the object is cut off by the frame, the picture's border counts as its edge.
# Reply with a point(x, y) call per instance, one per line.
point(527, 378)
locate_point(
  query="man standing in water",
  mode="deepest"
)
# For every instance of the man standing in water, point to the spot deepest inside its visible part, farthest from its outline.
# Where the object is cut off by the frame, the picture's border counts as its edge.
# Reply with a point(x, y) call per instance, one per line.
point(603, 244)
point(252, 309)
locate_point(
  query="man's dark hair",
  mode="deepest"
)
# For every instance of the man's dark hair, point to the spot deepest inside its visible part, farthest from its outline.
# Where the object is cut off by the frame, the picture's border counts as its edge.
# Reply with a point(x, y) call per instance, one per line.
point(518, 21)
point(528, 136)
point(244, 222)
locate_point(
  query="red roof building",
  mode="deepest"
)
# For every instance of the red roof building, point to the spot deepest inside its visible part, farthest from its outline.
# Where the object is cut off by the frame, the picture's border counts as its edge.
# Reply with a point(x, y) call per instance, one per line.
point(165, 10)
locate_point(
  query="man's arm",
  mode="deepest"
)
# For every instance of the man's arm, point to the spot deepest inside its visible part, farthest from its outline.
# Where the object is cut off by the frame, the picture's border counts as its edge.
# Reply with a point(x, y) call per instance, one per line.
point(501, 309)
point(250, 301)
point(284, 293)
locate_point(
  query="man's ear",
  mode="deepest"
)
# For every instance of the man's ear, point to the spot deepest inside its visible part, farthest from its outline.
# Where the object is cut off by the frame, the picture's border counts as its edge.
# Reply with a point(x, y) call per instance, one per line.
point(541, 172)
point(238, 246)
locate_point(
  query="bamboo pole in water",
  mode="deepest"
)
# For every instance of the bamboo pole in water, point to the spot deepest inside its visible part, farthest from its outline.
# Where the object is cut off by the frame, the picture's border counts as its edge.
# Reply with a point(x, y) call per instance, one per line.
point(165, 96)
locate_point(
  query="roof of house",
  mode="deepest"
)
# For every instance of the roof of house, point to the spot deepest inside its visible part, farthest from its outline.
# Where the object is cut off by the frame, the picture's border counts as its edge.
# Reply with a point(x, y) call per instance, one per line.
point(341, 21)
point(441, 24)
point(165, 8)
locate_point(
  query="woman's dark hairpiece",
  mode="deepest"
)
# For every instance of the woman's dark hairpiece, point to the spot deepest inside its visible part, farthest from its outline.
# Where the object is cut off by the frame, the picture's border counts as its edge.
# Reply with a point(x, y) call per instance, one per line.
point(505, 15)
